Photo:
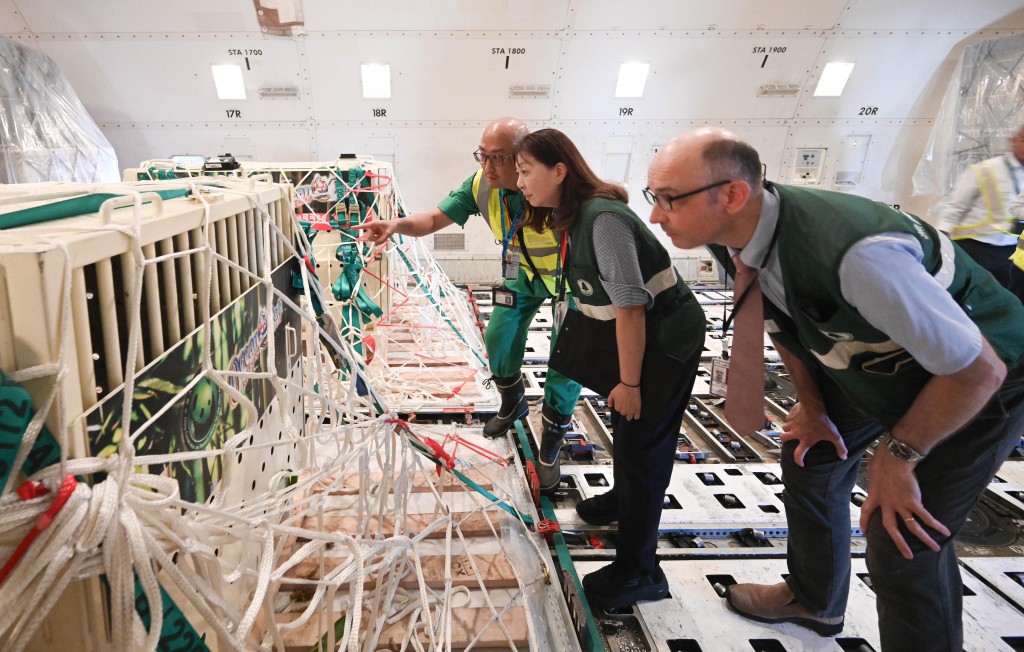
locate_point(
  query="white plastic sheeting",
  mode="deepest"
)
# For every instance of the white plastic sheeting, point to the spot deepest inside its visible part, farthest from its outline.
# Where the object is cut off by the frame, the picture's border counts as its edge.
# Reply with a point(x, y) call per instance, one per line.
point(45, 132)
point(982, 108)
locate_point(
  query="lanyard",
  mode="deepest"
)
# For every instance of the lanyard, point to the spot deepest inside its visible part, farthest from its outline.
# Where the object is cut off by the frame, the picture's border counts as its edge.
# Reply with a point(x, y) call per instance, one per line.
point(746, 290)
point(561, 266)
point(506, 236)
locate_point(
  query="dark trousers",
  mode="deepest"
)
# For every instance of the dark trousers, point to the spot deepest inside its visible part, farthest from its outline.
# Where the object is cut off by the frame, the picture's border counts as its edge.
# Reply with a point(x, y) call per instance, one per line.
point(644, 453)
point(1016, 281)
point(919, 600)
point(994, 258)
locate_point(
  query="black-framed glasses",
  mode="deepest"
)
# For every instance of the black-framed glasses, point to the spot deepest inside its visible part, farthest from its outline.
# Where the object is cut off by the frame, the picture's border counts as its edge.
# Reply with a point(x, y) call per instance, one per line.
point(494, 159)
point(665, 203)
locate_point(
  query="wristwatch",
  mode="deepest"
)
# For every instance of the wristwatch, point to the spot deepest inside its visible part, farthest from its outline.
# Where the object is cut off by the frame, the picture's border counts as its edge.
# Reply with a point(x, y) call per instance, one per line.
point(901, 450)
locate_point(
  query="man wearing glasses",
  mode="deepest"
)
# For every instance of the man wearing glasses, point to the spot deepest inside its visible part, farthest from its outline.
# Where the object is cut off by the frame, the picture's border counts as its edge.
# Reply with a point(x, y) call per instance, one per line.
point(529, 269)
point(890, 334)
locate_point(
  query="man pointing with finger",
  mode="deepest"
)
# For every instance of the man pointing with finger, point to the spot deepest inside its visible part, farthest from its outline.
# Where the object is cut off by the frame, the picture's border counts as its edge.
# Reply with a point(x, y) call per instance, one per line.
point(530, 261)
point(890, 333)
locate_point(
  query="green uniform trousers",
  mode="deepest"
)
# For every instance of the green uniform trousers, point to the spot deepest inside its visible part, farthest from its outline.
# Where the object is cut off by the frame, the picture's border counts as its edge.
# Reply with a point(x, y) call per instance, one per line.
point(506, 342)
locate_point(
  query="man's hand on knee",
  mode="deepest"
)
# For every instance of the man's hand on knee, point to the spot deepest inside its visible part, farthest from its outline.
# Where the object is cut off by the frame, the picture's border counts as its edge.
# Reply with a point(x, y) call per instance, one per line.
point(893, 489)
point(808, 426)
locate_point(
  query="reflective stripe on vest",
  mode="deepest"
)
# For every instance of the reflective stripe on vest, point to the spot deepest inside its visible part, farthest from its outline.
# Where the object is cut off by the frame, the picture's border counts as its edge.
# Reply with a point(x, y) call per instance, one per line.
point(996, 219)
point(1018, 254)
point(542, 247)
point(663, 280)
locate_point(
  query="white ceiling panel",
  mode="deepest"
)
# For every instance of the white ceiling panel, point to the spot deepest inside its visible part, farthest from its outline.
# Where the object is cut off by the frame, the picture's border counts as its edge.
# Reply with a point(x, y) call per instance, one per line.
point(474, 15)
point(912, 89)
point(682, 81)
point(933, 14)
point(170, 80)
point(701, 15)
point(431, 79)
point(126, 16)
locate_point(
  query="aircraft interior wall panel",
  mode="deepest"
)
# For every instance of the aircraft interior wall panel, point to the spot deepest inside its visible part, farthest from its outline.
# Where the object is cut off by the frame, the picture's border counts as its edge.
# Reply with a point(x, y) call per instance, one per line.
point(701, 15)
point(432, 78)
point(169, 79)
point(770, 140)
point(682, 83)
point(131, 16)
point(437, 15)
point(11, 20)
point(894, 78)
point(893, 152)
point(134, 144)
point(934, 14)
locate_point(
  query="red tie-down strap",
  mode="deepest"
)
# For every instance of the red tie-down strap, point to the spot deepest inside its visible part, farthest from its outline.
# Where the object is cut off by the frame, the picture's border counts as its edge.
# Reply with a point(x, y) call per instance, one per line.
point(28, 491)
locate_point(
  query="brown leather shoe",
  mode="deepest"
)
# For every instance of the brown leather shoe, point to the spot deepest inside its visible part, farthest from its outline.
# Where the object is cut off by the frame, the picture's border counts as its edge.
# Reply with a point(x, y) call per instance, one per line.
point(775, 603)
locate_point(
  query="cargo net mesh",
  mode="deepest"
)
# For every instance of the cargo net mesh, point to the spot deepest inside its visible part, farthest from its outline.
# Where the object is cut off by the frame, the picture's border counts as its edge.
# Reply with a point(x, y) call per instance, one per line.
point(318, 519)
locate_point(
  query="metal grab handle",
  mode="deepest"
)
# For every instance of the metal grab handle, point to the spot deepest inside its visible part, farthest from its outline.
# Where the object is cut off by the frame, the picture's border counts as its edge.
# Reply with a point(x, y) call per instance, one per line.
point(129, 200)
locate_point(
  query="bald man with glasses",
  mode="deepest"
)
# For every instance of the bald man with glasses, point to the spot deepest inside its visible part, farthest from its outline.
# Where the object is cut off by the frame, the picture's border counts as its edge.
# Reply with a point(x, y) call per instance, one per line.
point(890, 334)
point(529, 268)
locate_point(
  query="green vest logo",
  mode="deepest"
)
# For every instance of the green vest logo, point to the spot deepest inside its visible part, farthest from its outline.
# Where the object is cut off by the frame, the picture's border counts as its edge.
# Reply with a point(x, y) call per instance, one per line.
point(585, 288)
point(838, 337)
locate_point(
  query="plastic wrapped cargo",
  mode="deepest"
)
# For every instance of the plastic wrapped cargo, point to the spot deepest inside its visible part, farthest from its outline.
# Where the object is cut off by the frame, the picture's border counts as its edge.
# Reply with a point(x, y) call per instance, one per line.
point(982, 108)
point(45, 132)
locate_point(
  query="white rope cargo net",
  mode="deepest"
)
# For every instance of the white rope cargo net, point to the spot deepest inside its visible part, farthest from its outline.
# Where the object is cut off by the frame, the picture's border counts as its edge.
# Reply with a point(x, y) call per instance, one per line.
point(362, 538)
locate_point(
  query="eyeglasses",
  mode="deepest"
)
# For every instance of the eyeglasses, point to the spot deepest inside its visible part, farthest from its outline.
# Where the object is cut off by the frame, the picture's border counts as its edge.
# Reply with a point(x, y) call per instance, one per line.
point(496, 160)
point(665, 203)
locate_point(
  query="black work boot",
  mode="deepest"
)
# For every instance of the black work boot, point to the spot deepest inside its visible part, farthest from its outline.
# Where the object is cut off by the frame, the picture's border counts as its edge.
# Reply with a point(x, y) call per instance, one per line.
point(549, 467)
point(615, 587)
point(513, 405)
point(602, 509)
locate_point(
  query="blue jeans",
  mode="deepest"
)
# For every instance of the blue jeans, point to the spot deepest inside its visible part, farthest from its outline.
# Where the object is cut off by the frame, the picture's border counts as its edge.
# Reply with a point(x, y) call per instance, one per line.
point(918, 600)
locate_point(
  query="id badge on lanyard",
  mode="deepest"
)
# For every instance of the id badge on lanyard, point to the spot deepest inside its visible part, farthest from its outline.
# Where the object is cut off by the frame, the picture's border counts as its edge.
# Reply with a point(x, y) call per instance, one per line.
point(719, 376)
point(510, 264)
point(511, 254)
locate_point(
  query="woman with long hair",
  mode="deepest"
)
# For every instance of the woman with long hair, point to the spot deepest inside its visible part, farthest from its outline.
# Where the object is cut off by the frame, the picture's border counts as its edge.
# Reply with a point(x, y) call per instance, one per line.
point(624, 286)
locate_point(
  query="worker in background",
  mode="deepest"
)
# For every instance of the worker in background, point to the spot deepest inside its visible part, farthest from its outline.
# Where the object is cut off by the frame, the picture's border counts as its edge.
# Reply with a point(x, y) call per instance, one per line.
point(620, 272)
point(976, 215)
point(890, 334)
point(529, 267)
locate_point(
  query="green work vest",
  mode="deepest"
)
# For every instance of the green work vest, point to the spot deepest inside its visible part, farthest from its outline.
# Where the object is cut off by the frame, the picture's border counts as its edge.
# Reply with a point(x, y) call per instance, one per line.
point(815, 230)
point(542, 248)
point(675, 323)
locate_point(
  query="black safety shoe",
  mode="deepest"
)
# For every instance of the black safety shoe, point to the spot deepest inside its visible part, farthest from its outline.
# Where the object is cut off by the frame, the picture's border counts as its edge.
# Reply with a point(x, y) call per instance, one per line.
point(614, 587)
point(602, 509)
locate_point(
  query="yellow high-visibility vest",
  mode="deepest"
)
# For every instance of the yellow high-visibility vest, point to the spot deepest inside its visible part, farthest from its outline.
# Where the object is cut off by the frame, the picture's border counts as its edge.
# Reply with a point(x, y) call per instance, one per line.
point(542, 247)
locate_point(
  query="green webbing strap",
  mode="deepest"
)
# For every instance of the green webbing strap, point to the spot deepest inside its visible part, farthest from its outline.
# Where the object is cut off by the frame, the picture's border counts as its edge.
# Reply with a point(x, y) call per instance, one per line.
point(15, 414)
point(592, 636)
point(59, 210)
